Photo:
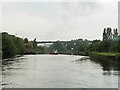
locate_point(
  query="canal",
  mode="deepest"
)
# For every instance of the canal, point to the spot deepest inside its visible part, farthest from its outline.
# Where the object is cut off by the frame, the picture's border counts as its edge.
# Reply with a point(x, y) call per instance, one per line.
point(57, 71)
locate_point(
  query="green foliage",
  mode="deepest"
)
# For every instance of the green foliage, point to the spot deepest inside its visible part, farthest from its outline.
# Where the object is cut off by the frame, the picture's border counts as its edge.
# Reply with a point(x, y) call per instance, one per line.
point(8, 46)
point(107, 53)
point(70, 47)
point(11, 45)
point(104, 46)
point(19, 43)
point(94, 45)
point(56, 46)
point(41, 49)
point(26, 41)
point(79, 46)
point(114, 46)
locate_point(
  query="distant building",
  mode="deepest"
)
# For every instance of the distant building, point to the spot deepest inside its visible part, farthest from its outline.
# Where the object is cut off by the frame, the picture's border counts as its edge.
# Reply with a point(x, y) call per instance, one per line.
point(108, 35)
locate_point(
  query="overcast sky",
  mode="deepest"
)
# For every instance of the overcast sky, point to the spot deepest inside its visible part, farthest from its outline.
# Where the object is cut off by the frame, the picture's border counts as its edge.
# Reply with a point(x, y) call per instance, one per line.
point(59, 20)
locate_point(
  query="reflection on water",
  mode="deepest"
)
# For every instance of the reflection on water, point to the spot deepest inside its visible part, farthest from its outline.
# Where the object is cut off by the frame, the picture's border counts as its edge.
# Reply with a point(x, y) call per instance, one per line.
point(110, 67)
point(59, 71)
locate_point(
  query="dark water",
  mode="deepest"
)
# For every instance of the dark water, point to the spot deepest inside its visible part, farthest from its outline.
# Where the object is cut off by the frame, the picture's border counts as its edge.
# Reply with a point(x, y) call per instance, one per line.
point(57, 71)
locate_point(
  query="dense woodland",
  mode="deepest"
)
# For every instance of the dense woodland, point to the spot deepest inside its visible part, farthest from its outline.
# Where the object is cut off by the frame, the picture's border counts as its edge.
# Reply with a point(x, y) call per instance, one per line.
point(13, 45)
point(81, 46)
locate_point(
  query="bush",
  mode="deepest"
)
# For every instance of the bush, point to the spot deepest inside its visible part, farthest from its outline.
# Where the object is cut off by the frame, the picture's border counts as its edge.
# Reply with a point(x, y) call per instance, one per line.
point(11, 45)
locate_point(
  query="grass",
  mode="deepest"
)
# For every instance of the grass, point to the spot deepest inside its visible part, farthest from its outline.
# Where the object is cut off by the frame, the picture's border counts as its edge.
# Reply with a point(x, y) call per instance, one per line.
point(107, 53)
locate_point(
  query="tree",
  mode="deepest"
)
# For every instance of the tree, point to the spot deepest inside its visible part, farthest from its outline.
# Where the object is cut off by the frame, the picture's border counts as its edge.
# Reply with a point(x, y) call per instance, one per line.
point(104, 46)
point(26, 41)
point(8, 46)
point(19, 43)
point(94, 45)
point(118, 46)
point(56, 46)
point(12, 45)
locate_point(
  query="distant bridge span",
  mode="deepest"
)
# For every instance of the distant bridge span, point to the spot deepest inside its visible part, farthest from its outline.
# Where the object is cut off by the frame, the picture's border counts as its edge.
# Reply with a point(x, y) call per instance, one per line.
point(38, 42)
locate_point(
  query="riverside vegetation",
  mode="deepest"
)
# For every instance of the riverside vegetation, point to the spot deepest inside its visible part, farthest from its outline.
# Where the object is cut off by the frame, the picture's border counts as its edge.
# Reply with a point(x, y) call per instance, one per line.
point(109, 46)
point(13, 45)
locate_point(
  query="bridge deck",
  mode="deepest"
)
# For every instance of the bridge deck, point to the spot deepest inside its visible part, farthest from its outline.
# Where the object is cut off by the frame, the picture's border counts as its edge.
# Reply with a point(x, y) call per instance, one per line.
point(52, 41)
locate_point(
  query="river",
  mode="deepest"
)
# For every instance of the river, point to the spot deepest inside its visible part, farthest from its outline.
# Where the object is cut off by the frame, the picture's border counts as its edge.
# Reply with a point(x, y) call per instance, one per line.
point(57, 71)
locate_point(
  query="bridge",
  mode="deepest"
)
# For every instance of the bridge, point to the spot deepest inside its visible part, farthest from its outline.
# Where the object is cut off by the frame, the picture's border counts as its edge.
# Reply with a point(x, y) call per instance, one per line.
point(38, 42)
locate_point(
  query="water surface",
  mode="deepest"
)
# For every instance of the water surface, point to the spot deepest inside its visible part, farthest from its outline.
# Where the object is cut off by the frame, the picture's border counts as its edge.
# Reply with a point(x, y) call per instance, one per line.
point(57, 71)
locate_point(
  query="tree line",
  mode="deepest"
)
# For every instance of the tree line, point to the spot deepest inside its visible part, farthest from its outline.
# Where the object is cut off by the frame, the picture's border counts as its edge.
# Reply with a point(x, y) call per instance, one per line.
point(84, 47)
point(110, 43)
point(13, 45)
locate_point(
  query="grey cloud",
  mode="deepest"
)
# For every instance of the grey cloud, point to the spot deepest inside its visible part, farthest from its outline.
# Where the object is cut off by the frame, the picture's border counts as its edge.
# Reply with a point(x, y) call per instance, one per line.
point(81, 8)
point(64, 20)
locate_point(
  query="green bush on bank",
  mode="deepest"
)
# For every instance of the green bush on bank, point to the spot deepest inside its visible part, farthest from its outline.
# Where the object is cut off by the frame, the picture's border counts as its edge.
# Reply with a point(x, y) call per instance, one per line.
point(105, 55)
point(11, 45)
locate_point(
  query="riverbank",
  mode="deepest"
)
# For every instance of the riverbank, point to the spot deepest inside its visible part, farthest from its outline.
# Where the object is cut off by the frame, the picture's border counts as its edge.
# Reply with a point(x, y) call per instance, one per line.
point(108, 60)
point(6, 61)
point(105, 55)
